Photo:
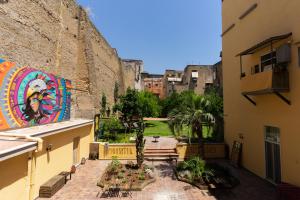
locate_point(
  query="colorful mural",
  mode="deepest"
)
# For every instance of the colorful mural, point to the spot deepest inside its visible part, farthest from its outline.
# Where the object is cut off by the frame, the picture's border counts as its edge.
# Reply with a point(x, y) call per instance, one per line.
point(31, 97)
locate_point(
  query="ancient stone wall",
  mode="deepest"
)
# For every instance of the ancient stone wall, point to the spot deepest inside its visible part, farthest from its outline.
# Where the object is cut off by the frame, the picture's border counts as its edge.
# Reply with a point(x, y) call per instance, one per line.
point(58, 37)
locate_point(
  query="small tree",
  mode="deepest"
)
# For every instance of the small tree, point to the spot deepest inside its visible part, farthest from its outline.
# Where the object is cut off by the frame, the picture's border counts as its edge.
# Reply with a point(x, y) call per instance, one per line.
point(131, 110)
point(129, 106)
point(149, 104)
point(140, 144)
point(194, 116)
point(103, 105)
point(116, 92)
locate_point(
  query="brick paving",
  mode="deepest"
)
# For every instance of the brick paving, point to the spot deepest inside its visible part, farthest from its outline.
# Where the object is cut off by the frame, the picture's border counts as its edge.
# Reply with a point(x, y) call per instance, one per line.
point(83, 185)
point(251, 187)
point(166, 187)
point(163, 142)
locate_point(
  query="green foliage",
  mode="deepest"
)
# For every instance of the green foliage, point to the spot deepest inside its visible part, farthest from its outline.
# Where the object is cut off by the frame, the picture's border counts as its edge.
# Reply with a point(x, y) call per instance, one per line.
point(141, 176)
point(149, 104)
point(216, 103)
point(157, 128)
point(129, 105)
point(115, 164)
point(169, 103)
point(196, 166)
point(113, 123)
point(103, 104)
point(116, 92)
point(131, 109)
point(139, 143)
point(196, 112)
point(120, 175)
point(111, 128)
point(138, 104)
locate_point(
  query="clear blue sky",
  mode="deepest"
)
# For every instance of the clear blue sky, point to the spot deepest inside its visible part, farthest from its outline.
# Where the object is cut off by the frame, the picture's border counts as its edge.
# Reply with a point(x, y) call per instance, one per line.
point(165, 34)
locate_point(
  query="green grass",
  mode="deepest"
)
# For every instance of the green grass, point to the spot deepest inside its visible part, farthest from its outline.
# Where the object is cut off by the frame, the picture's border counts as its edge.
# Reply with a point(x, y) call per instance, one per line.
point(206, 131)
point(160, 128)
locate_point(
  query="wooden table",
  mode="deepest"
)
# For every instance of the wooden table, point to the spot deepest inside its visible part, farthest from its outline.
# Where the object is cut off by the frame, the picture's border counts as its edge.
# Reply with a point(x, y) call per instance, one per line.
point(155, 138)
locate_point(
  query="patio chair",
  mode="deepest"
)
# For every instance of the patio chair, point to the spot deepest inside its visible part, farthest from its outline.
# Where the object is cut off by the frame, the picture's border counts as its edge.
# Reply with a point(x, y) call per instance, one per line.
point(114, 192)
point(127, 192)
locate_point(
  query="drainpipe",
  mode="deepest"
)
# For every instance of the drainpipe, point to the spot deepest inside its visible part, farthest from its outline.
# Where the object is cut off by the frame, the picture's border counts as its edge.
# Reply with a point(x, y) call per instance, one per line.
point(31, 175)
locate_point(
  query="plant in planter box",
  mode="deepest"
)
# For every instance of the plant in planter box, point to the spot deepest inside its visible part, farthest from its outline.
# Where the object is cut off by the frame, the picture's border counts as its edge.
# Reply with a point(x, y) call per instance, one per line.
point(115, 164)
point(193, 169)
point(124, 181)
point(142, 176)
point(121, 175)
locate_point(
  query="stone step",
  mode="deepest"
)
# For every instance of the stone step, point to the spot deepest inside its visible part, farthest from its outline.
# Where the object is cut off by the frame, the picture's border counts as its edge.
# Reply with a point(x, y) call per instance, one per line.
point(161, 155)
point(159, 158)
point(160, 151)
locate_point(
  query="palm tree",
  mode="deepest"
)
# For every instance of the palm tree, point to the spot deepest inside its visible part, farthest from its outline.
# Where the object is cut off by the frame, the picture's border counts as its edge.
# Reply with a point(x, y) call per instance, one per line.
point(195, 117)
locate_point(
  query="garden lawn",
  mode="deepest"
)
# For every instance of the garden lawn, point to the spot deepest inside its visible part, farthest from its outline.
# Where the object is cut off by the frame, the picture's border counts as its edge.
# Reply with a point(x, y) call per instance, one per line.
point(160, 128)
point(206, 131)
point(152, 128)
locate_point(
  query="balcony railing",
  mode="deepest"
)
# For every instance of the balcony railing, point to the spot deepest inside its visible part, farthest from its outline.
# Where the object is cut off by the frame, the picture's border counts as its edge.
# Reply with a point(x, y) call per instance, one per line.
point(269, 81)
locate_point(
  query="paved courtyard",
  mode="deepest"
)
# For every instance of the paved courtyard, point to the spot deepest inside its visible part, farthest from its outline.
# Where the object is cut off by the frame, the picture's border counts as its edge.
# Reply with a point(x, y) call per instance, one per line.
point(83, 186)
point(163, 143)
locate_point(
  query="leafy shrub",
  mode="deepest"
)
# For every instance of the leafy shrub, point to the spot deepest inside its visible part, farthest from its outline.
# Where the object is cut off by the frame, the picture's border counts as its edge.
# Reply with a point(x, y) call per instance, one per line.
point(131, 165)
point(197, 167)
point(115, 164)
point(113, 124)
point(142, 176)
point(120, 175)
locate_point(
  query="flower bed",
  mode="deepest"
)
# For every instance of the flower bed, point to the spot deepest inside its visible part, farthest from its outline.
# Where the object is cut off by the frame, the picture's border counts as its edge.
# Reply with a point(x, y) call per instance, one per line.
point(126, 176)
point(205, 176)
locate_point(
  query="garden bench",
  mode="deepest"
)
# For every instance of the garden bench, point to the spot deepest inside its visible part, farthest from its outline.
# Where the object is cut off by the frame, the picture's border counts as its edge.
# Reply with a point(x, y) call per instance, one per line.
point(66, 174)
point(49, 188)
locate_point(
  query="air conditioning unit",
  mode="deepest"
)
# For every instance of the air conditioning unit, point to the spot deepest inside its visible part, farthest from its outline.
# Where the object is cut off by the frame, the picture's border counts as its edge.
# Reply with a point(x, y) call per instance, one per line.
point(283, 54)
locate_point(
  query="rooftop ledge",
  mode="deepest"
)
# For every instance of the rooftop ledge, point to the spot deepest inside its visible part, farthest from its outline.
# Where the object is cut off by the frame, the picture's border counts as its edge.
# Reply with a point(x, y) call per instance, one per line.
point(10, 146)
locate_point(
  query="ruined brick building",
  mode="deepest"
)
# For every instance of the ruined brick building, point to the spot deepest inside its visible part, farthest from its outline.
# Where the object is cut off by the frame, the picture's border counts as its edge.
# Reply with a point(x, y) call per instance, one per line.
point(197, 78)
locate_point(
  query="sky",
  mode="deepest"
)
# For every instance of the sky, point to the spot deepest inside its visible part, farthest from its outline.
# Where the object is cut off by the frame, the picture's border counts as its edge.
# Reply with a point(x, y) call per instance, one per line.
point(165, 34)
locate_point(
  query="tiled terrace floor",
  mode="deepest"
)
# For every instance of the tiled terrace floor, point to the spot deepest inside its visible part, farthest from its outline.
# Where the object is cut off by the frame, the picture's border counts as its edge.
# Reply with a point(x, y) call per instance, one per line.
point(163, 142)
point(83, 186)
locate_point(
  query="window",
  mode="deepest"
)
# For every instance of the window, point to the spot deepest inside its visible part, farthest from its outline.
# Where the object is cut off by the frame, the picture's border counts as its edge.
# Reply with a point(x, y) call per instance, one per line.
point(255, 69)
point(272, 134)
point(267, 61)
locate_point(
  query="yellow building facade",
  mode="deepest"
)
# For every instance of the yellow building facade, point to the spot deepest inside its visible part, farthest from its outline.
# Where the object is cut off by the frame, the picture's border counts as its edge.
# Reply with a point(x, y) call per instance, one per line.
point(261, 70)
point(25, 170)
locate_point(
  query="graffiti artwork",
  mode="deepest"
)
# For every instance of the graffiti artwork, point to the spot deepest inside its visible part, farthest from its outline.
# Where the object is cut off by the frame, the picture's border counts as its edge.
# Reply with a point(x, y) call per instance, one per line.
point(31, 97)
